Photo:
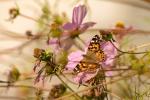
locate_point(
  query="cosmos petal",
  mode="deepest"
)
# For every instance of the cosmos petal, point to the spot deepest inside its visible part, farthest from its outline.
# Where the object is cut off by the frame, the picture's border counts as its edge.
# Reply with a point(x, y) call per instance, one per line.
point(69, 26)
point(86, 25)
point(79, 14)
point(74, 58)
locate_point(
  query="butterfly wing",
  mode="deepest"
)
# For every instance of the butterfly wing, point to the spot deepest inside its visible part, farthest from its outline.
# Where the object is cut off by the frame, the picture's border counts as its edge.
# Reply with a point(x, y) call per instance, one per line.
point(86, 66)
point(95, 51)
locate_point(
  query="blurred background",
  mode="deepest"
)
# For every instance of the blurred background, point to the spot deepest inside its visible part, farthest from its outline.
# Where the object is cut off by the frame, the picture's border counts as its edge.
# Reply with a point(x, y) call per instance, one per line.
point(16, 51)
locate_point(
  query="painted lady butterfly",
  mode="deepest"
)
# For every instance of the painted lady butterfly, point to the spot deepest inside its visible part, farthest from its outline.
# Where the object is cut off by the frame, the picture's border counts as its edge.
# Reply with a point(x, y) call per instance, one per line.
point(94, 55)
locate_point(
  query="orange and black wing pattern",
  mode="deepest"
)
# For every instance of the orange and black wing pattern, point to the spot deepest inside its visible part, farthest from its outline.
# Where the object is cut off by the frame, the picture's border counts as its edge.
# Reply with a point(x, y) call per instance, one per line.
point(94, 55)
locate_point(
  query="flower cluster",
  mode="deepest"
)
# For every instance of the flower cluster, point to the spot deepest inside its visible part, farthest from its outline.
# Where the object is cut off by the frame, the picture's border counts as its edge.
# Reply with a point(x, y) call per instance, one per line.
point(61, 39)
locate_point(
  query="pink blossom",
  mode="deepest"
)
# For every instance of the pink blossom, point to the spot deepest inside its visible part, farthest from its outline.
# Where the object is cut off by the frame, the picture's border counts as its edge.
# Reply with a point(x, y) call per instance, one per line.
point(75, 57)
point(78, 15)
point(110, 52)
point(83, 77)
point(72, 29)
point(121, 30)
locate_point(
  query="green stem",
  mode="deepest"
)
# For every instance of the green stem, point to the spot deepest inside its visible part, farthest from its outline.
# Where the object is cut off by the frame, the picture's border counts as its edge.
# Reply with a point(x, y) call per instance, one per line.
point(76, 95)
point(28, 17)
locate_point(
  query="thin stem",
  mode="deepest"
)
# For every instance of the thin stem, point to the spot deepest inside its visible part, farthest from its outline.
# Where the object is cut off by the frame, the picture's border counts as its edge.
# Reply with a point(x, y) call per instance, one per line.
point(12, 98)
point(68, 79)
point(127, 52)
point(117, 69)
point(141, 46)
point(4, 81)
point(28, 17)
point(113, 94)
point(81, 40)
point(135, 31)
point(20, 47)
point(138, 47)
point(17, 98)
point(9, 50)
point(104, 85)
point(17, 86)
point(76, 95)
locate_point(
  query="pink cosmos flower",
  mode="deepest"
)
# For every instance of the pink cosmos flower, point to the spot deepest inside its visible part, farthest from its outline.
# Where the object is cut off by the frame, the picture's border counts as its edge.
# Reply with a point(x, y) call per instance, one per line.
point(121, 30)
point(73, 29)
point(78, 15)
point(77, 56)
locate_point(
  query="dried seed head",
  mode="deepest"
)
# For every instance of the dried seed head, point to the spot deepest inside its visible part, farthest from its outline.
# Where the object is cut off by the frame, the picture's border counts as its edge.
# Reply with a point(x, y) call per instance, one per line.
point(14, 12)
point(38, 52)
point(57, 91)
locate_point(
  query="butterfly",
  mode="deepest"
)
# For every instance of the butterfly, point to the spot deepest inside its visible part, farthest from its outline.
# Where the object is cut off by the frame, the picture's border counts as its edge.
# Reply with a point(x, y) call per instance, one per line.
point(93, 57)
